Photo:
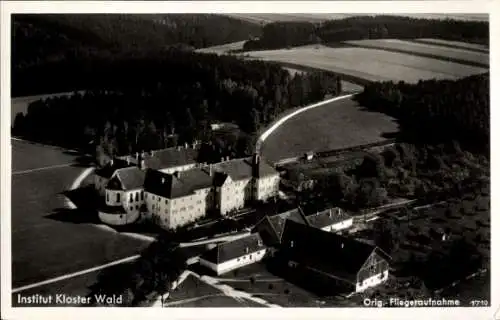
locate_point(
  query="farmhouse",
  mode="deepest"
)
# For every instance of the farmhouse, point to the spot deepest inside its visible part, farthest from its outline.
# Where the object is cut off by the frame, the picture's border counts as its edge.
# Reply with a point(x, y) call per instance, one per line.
point(174, 199)
point(234, 254)
point(331, 260)
point(271, 228)
point(330, 220)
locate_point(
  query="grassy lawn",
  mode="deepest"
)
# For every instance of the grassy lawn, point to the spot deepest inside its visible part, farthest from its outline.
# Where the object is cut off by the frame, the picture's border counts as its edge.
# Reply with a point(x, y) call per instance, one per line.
point(49, 240)
point(337, 125)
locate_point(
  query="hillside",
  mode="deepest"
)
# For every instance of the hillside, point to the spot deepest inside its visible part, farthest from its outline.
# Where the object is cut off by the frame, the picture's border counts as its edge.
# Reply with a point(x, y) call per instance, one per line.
point(282, 34)
point(40, 40)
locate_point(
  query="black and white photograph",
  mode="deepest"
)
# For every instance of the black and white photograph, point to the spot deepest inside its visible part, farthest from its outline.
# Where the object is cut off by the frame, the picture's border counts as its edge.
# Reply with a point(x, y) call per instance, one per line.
point(172, 160)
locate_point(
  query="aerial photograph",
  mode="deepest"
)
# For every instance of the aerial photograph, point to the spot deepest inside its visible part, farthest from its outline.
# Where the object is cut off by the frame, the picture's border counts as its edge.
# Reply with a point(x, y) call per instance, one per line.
point(183, 160)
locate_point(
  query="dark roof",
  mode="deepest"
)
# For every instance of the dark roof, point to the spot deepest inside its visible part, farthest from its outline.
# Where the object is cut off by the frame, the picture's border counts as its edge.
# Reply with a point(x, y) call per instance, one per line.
point(131, 178)
point(327, 218)
point(175, 186)
point(278, 221)
point(233, 249)
point(109, 169)
point(239, 169)
point(326, 252)
point(170, 157)
point(220, 178)
point(275, 225)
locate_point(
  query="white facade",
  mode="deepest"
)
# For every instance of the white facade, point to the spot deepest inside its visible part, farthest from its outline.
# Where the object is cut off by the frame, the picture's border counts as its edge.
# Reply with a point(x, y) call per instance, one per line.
point(173, 213)
point(234, 263)
point(267, 187)
point(372, 281)
point(342, 225)
point(232, 195)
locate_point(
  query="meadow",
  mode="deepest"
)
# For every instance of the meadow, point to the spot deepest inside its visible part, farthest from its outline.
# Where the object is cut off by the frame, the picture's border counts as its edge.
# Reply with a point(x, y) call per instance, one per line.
point(48, 239)
point(368, 64)
point(462, 55)
point(340, 124)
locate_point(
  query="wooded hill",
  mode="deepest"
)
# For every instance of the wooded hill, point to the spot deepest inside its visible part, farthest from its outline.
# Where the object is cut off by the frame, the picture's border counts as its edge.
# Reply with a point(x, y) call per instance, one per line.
point(297, 33)
point(40, 41)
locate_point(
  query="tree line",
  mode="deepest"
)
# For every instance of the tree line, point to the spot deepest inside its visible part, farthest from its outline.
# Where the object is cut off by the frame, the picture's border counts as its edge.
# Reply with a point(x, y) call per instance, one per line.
point(296, 33)
point(447, 109)
point(135, 103)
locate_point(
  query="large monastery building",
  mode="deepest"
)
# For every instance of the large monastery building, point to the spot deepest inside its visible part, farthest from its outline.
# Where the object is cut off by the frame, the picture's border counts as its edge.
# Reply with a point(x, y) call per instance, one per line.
point(176, 190)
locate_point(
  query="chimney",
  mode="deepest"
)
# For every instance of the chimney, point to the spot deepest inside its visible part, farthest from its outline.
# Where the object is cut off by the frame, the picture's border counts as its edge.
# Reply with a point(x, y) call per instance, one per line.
point(227, 158)
point(152, 152)
point(128, 160)
point(162, 180)
point(178, 148)
point(255, 165)
point(111, 161)
point(330, 213)
point(210, 170)
point(137, 156)
point(186, 145)
point(246, 250)
point(342, 245)
point(222, 159)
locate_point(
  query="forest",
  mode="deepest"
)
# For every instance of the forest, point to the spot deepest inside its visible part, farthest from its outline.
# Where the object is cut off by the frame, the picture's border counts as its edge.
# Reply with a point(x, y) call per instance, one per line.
point(140, 103)
point(436, 111)
point(286, 34)
point(57, 41)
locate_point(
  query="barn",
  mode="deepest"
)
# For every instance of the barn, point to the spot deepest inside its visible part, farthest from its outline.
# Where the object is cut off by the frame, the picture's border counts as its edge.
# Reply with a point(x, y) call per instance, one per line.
point(331, 262)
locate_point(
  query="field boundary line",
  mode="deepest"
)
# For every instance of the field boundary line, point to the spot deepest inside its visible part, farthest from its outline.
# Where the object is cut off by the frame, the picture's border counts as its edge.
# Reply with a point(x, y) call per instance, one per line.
point(278, 123)
point(75, 274)
point(42, 168)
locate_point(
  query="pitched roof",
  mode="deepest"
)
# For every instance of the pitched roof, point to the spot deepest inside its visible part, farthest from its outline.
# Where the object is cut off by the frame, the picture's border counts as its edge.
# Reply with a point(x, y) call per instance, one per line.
point(172, 186)
point(234, 249)
point(327, 218)
point(170, 157)
point(131, 178)
point(325, 251)
point(109, 169)
point(276, 224)
point(239, 169)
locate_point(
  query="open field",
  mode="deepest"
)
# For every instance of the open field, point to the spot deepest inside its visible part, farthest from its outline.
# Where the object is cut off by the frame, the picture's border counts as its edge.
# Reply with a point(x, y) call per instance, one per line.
point(368, 64)
point(456, 44)
point(340, 124)
point(20, 104)
point(263, 18)
point(459, 55)
point(223, 48)
point(49, 240)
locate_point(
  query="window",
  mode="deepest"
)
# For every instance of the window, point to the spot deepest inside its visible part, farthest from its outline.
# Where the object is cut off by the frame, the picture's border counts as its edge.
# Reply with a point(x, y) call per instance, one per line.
point(131, 197)
point(137, 207)
point(137, 196)
point(166, 201)
point(131, 208)
point(118, 197)
point(107, 197)
point(142, 195)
